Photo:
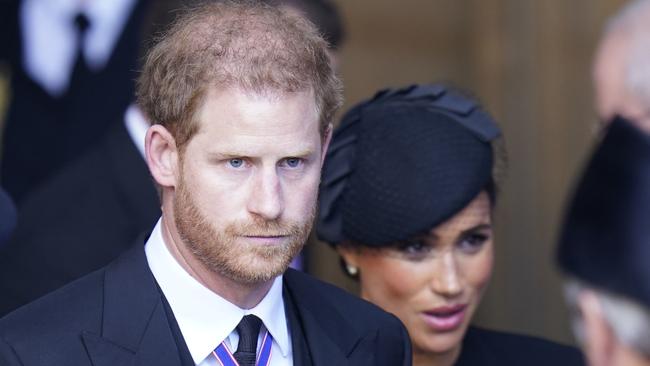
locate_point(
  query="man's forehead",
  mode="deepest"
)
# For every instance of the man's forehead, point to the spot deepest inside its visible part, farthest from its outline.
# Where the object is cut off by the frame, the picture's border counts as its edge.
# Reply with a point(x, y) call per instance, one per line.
point(239, 118)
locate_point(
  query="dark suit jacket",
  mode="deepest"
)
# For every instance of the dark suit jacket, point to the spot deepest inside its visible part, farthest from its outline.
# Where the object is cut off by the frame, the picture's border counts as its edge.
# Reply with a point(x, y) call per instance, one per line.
point(43, 133)
point(489, 348)
point(80, 221)
point(116, 316)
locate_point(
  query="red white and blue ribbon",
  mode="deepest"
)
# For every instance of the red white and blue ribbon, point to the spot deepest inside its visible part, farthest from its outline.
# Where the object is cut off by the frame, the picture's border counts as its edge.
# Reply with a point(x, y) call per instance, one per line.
point(225, 357)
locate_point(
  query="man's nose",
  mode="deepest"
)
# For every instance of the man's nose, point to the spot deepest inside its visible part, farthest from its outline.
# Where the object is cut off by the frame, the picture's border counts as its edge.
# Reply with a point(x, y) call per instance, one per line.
point(266, 198)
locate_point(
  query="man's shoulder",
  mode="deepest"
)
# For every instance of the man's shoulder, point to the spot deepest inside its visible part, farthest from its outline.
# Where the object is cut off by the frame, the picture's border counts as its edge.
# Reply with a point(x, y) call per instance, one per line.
point(368, 334)
point(58, 315)
point(355, 310)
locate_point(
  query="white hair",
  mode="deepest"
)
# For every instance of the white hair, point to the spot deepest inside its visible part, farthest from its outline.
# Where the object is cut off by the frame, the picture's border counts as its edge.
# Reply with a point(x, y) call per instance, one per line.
point(631, 22)
point(629, 320)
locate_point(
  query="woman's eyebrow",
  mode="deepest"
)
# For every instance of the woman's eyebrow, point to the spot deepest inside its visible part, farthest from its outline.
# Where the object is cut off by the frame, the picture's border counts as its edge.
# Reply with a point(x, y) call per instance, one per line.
point(479, 227)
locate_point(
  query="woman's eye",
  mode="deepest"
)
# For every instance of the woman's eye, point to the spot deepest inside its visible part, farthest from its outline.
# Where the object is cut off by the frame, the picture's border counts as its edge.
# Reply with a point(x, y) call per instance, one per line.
point(473, 242)
point(236, 162)
point(414, 249)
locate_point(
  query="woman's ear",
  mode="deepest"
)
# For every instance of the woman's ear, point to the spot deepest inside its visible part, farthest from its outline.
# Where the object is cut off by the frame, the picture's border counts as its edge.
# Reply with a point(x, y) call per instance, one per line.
point(162, 156)
point(350, 256)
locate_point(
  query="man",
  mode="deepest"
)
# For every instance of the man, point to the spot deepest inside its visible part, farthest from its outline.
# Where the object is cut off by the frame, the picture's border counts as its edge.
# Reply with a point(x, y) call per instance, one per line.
point(604, 250)
point(621, 74)
point(107, 194)
point(241, 96)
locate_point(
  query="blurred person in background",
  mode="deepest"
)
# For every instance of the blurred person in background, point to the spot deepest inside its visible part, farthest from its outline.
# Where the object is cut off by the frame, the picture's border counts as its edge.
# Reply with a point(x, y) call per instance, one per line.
point(621, 70)
point(406, 198)
point(604, 249)
point(85, 215)
point(72, 64)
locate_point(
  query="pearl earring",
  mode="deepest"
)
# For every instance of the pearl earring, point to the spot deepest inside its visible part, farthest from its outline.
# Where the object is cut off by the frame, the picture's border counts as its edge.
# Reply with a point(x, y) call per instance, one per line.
point(352, 270)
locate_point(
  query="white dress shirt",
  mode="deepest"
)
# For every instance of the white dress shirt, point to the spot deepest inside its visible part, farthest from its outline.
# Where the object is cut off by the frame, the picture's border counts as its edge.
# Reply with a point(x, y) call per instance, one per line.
point(136, 125)
point(50, 37)
point(205, 318)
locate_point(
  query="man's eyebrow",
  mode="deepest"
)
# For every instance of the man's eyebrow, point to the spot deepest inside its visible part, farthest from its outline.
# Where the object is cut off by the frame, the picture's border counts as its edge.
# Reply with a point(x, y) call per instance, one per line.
point(303, 152)
point(239, 154)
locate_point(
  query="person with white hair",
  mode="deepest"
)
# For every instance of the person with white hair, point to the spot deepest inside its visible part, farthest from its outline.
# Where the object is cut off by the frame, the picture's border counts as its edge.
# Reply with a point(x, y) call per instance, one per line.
point(621, 75)
point(604, 249)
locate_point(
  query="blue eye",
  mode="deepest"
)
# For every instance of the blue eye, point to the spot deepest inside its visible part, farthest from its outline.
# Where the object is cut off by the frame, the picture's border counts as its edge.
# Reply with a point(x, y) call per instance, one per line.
point(236, 163)
point(293, 162)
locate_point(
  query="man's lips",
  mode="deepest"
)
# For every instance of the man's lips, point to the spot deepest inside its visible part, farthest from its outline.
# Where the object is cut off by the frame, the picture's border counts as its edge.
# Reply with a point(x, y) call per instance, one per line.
point(445, 318)
point(266, 239)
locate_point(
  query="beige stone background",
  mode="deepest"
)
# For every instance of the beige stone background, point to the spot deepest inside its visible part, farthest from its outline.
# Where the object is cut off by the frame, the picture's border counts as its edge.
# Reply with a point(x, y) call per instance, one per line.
point(529, 62)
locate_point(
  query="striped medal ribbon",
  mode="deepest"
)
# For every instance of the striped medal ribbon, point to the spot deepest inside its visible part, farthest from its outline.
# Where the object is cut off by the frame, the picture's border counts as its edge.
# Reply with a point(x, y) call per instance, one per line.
point(225, 357)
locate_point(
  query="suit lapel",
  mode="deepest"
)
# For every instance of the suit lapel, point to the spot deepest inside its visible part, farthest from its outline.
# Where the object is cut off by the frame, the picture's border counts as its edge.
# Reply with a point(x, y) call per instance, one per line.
point(135, 330)
point(329, 338)
point(300, 348)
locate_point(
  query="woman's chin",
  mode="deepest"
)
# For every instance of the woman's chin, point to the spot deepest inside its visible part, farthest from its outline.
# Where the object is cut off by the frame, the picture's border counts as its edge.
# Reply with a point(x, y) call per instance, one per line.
point(440, 343)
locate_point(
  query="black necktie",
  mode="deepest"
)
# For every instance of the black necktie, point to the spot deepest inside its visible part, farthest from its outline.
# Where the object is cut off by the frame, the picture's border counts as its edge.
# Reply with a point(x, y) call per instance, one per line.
point(80, 71)
point(248, 330)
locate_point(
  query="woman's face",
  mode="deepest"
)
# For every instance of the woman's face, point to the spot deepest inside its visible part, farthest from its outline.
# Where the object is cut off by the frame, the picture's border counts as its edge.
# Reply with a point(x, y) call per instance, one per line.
point(435, 282)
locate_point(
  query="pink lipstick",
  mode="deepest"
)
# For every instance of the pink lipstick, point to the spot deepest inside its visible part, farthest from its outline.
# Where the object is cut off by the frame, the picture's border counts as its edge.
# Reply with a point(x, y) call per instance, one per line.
point(445, 318)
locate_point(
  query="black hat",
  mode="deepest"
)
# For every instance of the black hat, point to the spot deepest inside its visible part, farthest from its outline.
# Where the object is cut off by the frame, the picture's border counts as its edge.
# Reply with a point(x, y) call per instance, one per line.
point(403, 162)
point(7, 216)
point(605, 240)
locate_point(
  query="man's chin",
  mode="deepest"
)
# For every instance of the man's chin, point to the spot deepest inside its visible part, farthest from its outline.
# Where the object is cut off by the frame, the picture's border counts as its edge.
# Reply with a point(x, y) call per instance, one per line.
point(251, 277)
point(257, 270)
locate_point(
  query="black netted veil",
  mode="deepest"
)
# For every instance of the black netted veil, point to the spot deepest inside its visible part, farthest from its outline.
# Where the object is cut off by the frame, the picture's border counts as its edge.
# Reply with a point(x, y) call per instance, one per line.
point(403, 162)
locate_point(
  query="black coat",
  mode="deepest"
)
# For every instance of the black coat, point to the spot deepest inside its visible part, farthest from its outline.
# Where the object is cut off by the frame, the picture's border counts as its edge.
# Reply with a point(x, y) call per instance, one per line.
point(489, 348)
point(116, 316)
point(79, 221)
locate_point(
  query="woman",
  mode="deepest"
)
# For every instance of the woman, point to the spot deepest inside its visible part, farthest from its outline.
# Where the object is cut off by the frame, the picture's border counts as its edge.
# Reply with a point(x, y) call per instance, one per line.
point(406, 197)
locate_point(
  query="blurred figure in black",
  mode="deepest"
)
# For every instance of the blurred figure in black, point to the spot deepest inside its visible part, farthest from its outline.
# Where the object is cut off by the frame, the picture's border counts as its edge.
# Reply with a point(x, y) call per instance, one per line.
point(72, 65)
point(605, 248)
point(95, 207)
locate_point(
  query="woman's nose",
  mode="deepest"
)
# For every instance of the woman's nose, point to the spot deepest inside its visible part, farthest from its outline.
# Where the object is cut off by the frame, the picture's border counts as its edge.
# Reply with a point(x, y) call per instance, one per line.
point(446, 279)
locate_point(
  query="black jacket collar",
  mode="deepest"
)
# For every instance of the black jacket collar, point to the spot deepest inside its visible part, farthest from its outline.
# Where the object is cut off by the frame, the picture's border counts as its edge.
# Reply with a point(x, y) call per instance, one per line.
point(135, 329)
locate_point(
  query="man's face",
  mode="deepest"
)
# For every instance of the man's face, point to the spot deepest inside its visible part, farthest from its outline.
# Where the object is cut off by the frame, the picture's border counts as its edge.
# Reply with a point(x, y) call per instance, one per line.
point(246, 194)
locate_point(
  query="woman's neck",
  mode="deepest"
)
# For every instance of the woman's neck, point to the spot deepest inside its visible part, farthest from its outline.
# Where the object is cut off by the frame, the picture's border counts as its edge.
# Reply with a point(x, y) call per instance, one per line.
point(421, 358)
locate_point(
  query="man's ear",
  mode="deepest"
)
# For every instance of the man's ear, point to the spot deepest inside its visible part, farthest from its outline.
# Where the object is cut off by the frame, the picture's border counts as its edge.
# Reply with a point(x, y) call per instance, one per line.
point(162, 155)
point(599, 339)
point(326, 142)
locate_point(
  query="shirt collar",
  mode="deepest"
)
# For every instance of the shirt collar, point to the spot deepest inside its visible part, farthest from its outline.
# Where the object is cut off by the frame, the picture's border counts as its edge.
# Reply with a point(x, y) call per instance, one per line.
point(136, 125)
point(205, 318)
